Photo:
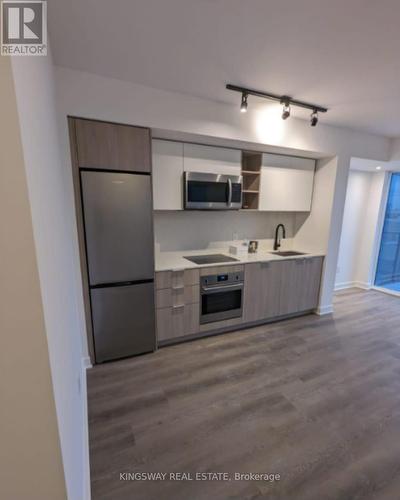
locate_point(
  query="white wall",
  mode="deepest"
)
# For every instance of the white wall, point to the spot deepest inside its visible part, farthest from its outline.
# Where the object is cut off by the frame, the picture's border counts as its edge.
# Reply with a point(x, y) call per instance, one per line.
point(52, 224)
point(30, 460)
point(92, 96)
point(197, 230)
point(359, 241)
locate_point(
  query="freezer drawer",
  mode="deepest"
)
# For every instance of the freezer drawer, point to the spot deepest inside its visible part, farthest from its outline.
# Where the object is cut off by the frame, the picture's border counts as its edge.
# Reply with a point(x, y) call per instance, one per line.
point(123, 321)
point(117, 211)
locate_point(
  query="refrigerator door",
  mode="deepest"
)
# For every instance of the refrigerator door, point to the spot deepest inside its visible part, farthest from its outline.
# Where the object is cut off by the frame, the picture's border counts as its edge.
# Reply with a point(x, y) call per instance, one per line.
point(117, 210)
point(123, 321)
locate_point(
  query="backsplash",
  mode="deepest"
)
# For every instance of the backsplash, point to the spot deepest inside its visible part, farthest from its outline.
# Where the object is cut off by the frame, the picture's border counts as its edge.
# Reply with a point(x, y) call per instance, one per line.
point(195, 230)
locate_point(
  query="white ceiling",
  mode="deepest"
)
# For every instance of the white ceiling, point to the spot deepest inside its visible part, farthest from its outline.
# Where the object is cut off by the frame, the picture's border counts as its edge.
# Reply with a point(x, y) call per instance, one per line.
point(343, 54)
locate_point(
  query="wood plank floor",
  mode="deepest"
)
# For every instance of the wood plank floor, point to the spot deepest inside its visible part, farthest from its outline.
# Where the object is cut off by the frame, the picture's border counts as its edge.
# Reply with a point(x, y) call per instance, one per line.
point(314, 399)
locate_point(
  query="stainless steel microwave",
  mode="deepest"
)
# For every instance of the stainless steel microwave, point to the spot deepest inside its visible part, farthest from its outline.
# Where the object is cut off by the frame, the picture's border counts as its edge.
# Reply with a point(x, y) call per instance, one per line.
point(212, 191)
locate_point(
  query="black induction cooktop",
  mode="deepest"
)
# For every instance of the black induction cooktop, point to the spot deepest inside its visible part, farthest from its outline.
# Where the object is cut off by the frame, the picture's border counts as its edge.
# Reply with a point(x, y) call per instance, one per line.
point(213, 258)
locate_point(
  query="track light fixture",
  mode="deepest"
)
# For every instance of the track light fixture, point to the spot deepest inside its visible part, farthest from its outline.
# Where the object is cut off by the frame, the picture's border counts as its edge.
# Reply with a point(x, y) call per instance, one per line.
point(243, 105)
point(287, 102)
point(314, 118)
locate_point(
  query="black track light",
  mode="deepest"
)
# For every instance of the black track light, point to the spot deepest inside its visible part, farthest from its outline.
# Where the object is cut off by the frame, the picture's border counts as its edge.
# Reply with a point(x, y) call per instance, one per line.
point(287, 102)
point(286, 111)
point(243, 105)
point(314, 118)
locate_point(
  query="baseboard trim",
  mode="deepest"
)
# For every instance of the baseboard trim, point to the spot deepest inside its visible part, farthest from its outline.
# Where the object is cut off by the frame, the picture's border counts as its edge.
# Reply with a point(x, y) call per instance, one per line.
point(344, 285)
point(386, 290)
point(85, 364)
point(321, 311)
point(353, 284)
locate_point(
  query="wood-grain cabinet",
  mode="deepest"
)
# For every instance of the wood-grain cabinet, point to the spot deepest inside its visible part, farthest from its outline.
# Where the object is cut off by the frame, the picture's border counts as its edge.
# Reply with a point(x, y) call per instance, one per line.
point(272, 289)
point(286, 183)
point(110, 146)
point(280, 288)
point(177, 304)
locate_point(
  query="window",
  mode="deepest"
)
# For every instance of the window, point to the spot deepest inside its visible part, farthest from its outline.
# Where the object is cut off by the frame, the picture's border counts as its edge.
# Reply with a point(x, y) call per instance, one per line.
point(388, 268)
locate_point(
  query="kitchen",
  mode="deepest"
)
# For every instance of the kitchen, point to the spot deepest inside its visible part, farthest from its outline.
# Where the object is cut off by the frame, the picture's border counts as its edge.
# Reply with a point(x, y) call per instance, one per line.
point(139, 297)
point(195, 202)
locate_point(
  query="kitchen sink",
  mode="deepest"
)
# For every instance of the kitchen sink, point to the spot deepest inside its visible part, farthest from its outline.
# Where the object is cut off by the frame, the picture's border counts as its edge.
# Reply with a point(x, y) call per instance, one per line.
point(288, 253)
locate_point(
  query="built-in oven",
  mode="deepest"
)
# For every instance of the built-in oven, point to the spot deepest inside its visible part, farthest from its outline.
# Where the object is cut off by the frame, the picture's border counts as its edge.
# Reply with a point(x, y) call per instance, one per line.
point(221, 296)
point(212, 191)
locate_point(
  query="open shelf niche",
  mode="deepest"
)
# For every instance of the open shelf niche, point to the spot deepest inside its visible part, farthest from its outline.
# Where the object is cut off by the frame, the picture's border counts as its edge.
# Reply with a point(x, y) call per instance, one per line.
point(251, 171)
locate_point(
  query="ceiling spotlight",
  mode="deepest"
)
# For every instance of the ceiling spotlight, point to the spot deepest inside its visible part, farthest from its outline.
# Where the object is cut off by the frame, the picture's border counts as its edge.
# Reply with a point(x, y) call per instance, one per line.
point(286, 110)
point(243, 105)
point(378, 167)
point(314, 118)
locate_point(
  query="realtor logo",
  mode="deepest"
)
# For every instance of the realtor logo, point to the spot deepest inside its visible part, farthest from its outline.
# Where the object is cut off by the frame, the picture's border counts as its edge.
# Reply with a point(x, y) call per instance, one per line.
point(23, 28)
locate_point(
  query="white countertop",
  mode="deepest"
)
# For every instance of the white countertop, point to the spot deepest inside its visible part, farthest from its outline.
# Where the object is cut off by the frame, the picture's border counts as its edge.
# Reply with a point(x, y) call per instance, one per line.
point(175, 261)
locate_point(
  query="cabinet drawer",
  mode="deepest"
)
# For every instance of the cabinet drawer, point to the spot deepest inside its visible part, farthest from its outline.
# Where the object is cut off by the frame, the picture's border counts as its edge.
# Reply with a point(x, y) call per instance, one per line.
point(170, 297)
point(174, 322)
point(177, 279)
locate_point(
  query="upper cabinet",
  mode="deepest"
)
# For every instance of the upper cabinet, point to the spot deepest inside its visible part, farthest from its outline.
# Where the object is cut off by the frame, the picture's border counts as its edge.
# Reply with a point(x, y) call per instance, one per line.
point(286, 183)
point(110, 146)
point(171, 159)
point(167, 175)
point(211, 159)
point(274, 183)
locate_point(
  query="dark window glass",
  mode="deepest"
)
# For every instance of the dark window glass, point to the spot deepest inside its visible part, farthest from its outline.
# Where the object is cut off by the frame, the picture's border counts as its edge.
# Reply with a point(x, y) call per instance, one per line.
point(224, 301)
point(208, 192)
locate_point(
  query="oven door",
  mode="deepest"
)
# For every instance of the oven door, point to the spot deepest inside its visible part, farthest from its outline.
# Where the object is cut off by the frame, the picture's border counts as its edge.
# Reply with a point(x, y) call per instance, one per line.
point(221, 302)
point(212, 191)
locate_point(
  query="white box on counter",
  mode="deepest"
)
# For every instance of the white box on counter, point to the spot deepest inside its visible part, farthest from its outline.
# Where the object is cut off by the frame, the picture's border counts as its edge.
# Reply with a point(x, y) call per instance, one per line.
point(238, 249)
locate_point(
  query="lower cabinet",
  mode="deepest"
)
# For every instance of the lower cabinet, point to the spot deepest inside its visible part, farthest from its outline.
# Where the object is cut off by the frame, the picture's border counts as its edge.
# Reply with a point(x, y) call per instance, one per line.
point(177, 321)
point(272, 289)
point(177, 304)
point(261, 292)
point(279, 288)
point(311, 282)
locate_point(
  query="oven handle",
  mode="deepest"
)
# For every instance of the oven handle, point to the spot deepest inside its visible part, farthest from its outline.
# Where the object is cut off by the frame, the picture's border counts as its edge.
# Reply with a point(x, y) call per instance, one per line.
point(216, 289)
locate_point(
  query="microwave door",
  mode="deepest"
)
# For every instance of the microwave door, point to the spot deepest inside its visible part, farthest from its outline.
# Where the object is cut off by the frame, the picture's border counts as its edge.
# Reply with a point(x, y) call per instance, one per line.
point(206, 194)
point(205, 191)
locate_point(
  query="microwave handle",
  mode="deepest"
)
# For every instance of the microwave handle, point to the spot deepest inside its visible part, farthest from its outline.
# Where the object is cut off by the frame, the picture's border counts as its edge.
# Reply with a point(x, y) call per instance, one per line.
point(229, 192)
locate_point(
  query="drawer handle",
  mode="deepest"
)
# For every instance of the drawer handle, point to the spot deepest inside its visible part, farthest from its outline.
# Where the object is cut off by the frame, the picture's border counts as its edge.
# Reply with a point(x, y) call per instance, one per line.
point(176, 288)
point(179, 306)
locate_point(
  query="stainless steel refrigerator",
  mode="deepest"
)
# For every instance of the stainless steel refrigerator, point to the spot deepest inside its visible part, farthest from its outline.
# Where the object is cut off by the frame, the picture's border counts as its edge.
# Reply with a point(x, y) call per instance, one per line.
point(117, 211)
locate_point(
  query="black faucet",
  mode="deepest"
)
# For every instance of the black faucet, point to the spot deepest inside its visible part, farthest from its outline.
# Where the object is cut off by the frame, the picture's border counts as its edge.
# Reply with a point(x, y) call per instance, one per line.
point(277, 242)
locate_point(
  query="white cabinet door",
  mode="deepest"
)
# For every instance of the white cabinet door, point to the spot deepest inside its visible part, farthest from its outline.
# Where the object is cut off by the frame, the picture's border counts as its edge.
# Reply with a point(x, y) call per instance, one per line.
point(286, 183)
point(167, 175)
point(211, 159)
